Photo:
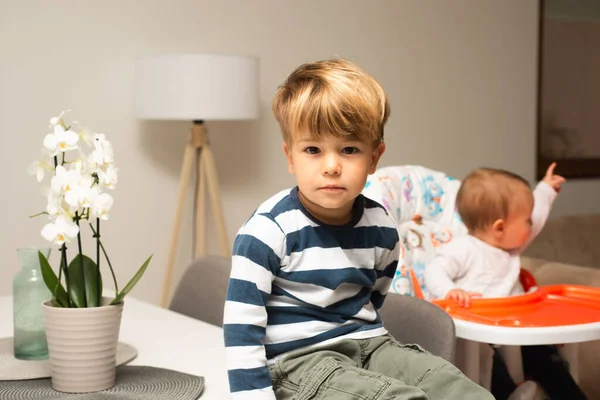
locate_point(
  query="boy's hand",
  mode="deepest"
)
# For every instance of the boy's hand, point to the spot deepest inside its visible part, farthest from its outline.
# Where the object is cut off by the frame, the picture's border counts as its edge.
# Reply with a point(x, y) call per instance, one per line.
point(462, 297)
point(553, 180)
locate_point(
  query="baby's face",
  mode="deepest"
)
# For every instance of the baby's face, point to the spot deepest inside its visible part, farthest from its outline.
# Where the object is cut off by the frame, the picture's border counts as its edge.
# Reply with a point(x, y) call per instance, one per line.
point(518, 223)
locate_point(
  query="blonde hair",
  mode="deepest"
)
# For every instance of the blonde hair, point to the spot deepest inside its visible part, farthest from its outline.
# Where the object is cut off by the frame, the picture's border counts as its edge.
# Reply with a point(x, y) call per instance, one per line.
point(487, 195)
point(331, 97)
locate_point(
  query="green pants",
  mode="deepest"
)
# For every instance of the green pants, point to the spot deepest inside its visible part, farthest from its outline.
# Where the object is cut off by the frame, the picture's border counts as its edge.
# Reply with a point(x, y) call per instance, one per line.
point(379, 368)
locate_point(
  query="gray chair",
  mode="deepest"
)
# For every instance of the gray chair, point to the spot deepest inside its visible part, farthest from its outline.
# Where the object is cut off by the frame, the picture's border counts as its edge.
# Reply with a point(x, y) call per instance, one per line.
point(412, 320)
point(201, 294)
point(202, 289)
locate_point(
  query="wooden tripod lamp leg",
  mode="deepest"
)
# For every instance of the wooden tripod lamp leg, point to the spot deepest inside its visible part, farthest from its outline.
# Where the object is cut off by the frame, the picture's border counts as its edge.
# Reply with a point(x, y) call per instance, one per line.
point(184, 180)
point(200, 210)
point(208, 164)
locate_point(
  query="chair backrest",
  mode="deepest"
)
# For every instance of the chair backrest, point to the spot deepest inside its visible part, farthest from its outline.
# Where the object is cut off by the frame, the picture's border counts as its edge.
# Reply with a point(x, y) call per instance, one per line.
point(412, 320)
point(202, 290)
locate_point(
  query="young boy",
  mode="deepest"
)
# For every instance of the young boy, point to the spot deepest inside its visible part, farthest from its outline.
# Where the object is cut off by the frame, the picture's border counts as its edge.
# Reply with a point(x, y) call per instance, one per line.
point(503, 216)
point(313, 264)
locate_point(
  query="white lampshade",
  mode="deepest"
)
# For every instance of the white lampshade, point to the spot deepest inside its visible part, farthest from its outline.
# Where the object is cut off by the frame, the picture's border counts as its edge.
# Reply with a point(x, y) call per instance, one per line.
point(197, 87)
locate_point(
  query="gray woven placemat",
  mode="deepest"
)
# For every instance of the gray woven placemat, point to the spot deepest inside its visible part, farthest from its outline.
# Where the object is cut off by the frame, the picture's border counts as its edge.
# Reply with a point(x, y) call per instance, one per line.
point(12, 369)
point(133, 383)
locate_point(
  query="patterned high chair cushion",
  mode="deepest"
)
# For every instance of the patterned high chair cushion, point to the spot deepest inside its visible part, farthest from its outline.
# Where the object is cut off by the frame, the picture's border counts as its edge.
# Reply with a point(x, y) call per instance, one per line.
point(422, 203)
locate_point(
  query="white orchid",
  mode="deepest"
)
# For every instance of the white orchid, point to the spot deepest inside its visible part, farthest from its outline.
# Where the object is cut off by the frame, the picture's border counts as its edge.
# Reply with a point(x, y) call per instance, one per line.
point(54, 205)
point(61, 140)
point(58, 120)
point(82, 194)
point(103, 154)
point(77, 165)
point(85, 134)
point(40, 166)
point(101, 205)
point(62, 230)
point(83, 167)
point(76, 188)
point(109, 177)
point(64, 180)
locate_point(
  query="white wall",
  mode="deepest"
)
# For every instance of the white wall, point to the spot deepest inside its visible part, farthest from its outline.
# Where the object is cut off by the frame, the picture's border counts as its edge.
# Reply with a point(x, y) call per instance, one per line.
point(460, 75)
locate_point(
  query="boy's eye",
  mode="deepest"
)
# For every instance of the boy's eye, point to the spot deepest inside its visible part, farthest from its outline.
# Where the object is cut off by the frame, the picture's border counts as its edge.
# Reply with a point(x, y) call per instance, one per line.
point(350, 150)
point(312, 150)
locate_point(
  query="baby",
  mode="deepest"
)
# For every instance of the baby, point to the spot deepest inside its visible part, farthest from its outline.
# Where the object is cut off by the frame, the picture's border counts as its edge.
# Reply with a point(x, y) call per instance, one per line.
point(503, 216)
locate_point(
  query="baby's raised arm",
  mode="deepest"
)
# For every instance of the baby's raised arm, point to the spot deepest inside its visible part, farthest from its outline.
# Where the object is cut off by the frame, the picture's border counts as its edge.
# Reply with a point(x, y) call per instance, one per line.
point(544, 195)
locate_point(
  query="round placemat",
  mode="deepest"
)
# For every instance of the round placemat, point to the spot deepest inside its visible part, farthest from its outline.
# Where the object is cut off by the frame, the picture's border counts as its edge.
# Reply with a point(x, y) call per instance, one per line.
point(133, 382)
point(14, 369)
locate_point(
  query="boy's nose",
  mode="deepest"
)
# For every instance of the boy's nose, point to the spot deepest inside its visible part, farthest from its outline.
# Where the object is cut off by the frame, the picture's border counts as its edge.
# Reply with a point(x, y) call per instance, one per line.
point(332, 165)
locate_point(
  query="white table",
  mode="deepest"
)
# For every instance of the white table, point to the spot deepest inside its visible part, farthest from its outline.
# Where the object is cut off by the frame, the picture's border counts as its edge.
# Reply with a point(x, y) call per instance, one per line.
point(472, 359)
point(164, 339)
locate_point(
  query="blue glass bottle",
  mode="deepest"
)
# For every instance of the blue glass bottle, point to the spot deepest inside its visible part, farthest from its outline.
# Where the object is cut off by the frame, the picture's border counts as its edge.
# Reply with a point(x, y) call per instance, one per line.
point(29, 291)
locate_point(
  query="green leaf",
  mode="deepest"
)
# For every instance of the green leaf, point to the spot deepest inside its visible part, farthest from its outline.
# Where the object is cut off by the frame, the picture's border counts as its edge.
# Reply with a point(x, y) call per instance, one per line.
point(58, 291)
point(91, 281)
point(132, 282)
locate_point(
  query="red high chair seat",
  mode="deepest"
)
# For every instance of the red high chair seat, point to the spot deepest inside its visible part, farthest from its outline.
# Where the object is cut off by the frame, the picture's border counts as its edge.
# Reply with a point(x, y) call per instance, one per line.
point(527, 280)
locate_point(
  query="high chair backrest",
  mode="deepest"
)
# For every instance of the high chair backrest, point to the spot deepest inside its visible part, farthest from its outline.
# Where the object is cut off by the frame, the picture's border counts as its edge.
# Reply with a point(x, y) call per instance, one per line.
point(422, 203)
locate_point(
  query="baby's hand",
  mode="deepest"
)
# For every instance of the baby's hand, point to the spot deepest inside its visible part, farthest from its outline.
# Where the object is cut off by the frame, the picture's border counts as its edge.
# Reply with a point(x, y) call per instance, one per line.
point(462, 297)
point(553, 180)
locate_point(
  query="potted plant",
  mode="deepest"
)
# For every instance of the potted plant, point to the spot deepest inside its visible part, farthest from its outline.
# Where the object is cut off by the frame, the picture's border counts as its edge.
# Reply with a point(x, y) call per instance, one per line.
point(82, 327)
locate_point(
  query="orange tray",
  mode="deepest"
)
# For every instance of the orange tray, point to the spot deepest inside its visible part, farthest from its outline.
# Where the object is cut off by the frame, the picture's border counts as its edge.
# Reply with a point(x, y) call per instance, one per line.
point(556, 305)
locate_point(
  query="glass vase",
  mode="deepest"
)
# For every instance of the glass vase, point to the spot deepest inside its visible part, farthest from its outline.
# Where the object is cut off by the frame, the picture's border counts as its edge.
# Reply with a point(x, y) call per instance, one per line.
point(29, 291)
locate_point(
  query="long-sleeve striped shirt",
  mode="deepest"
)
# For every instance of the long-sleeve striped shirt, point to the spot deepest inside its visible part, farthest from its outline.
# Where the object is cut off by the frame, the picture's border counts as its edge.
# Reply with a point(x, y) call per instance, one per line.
point(297, 282)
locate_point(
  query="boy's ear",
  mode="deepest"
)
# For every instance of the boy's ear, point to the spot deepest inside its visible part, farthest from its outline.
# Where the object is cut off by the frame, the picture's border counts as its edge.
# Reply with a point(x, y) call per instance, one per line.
point(288, 155)
point(375, 156)
point(498, 227)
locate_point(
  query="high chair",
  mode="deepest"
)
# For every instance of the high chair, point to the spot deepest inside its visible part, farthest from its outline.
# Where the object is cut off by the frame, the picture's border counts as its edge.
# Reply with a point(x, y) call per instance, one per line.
point(422, 203)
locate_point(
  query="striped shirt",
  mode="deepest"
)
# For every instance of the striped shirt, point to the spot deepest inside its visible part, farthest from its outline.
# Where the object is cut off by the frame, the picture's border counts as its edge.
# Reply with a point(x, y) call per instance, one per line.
point(296, 282)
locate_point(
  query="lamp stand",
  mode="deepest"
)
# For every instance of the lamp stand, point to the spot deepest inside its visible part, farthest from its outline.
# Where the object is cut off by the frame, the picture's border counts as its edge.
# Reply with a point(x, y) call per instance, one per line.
point(197, 148)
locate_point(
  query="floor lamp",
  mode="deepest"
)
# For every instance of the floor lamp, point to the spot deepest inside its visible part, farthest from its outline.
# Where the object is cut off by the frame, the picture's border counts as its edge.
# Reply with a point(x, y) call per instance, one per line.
point(196, 88)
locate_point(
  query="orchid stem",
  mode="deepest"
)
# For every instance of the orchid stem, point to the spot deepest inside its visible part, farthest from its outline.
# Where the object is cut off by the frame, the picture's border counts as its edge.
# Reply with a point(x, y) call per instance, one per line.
point(85, 302)
point(97, 236)
point(63, 267)
point(98, 260)
point(38, 214)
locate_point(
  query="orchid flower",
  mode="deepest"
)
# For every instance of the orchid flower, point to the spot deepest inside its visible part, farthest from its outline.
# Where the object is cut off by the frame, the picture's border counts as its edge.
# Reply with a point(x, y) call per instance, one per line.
point(54, 205)
point(109, 177)
point(58, 120)
point(64, 180)
point(39, 166)
point(101, 205)
point(61, 140)
point(82, 195)
point(103, 153)
point(62, 230)
point(85, 134)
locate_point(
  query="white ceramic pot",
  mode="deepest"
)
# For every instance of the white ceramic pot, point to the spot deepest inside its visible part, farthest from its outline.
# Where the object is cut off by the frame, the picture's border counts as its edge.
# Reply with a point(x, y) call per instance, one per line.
point(82, 343)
